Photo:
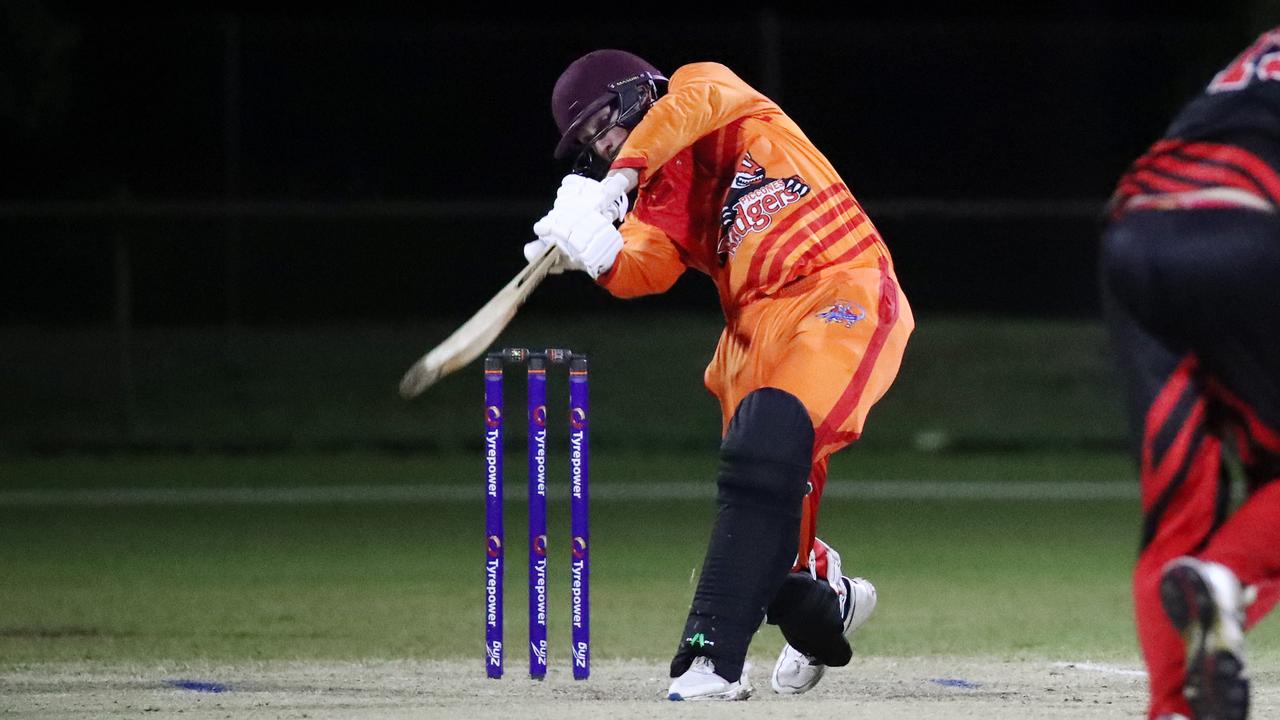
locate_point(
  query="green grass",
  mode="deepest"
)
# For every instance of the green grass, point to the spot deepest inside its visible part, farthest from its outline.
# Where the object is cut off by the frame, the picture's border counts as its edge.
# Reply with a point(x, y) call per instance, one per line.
point(403, 580)
point(969, 382)
point(317, 407)
point(228, 583)
point(386, 581)
point(86, 471)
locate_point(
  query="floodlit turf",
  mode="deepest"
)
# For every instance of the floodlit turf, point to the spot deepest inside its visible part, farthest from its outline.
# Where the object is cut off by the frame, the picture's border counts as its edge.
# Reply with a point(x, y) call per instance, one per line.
point(965, 381)
point(453, 468)
point(387, 581)
point(334, 582)
point(404, 579)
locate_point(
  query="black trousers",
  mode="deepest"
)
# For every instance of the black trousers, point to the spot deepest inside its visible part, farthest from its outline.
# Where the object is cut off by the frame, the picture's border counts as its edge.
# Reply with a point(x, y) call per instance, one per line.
point(1199, 288)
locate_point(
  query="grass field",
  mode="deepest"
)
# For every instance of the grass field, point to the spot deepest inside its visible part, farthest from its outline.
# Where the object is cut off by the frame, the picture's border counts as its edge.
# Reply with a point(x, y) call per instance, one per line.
point(134, 580)
point(122, 586)
point(966, 382)
point(280, 508)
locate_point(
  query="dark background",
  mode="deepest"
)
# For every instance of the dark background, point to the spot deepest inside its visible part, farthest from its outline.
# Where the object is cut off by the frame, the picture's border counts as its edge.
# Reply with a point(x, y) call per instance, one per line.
point(220, 163)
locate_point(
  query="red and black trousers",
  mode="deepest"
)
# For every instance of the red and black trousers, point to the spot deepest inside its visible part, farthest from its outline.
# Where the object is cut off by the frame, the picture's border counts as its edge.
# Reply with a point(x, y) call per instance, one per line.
point(1192, 303)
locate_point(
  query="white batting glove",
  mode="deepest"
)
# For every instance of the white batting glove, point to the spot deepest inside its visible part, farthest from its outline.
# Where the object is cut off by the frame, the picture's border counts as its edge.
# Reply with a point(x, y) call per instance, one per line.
point(608, 196)
point(583, 209)
point(591, 244)
point(579, 196)
point(534, 249)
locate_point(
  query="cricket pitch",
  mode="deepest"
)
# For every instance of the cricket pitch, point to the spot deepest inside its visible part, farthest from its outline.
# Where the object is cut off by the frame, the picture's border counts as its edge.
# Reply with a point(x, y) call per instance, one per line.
point(881, 688)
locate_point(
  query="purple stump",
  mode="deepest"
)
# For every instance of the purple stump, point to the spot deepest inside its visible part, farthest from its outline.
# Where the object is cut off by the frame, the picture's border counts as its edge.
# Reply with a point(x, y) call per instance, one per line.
point(580, 562)
point(493, 515)
point(537, 518)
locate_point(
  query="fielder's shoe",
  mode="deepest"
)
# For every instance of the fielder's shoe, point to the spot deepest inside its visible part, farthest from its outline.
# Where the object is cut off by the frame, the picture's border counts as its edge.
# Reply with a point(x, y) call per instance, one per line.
point(795, 672)
point(1206, 603)
point(700, 682)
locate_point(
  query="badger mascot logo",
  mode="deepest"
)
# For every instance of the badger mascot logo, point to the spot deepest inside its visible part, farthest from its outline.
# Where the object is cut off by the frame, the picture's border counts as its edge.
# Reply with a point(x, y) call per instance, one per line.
point(751, 203)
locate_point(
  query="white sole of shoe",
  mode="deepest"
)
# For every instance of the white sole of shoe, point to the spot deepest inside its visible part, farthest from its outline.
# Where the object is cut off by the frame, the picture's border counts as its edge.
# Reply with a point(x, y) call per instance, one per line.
point(741, 692)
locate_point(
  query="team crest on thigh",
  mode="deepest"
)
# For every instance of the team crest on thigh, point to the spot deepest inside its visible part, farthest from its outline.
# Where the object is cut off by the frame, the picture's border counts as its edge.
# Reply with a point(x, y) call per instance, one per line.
point(844, 312)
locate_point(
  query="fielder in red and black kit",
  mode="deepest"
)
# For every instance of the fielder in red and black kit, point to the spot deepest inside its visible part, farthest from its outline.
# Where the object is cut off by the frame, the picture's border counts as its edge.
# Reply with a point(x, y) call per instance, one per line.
point(1190, 272)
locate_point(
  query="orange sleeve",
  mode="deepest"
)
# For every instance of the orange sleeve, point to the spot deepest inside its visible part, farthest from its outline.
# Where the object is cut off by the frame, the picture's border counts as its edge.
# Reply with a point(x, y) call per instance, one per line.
point(700, 98)
point(648, 263)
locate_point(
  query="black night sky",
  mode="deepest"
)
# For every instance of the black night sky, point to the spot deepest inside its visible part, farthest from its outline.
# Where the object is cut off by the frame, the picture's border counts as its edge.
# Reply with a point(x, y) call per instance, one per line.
point(437, 131)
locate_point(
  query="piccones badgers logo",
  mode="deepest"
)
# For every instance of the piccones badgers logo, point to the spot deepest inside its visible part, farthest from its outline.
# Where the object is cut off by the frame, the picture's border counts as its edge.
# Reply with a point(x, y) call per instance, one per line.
point(752, 201)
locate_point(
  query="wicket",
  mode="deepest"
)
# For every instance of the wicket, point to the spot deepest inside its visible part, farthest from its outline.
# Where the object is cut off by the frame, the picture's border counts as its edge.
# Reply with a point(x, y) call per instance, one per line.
point(579, 433)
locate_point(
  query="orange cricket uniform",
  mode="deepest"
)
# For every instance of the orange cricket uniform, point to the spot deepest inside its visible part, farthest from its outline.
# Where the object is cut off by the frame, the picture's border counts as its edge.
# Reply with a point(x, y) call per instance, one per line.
point(730, 186)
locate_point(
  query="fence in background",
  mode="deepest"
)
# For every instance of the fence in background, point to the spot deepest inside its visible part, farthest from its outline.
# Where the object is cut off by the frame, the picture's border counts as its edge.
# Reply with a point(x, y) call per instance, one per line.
point(241, 194)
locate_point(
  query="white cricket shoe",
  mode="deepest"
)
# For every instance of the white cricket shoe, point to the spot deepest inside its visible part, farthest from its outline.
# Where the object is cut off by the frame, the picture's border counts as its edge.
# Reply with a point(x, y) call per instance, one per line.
point(700, 682)
point(1206, 602)
point(795, 672)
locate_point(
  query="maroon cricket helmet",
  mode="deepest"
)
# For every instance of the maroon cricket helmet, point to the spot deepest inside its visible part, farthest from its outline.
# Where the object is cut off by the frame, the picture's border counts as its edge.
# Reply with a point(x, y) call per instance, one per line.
point(593, 81)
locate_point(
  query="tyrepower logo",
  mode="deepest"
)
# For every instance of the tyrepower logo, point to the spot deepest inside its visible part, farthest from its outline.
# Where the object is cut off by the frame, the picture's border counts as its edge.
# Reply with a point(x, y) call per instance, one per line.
point(752, 202)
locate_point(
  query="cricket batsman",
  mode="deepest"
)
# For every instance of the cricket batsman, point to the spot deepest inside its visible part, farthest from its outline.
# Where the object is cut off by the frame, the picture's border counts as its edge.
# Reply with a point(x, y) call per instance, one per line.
point(815, 329)
point(1190, 272)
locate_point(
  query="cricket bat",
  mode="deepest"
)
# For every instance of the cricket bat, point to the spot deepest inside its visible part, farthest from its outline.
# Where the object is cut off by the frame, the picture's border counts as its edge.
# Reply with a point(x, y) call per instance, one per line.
point(477, 334)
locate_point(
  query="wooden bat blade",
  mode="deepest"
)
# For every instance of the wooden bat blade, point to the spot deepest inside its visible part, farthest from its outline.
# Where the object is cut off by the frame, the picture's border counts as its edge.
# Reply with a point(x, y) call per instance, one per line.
point(475, 335)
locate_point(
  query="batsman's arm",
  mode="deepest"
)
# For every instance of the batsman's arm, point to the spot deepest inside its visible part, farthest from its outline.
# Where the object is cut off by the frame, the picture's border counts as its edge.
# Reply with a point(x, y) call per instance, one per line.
point(700, 98)
point(649, 262)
